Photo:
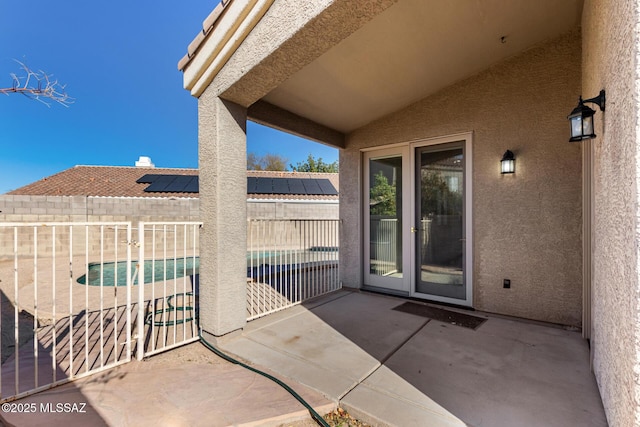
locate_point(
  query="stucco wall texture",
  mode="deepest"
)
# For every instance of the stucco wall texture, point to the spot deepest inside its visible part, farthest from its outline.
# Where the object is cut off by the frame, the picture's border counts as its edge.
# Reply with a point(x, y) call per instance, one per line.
point(223, 183)
point(610, 61)
point(272, 52)
point(526, 226)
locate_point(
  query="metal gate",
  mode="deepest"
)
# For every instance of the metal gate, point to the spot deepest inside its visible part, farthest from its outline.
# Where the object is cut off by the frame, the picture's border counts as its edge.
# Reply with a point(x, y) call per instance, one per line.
point(65, 309)
point(168, 285)
point(67, 292)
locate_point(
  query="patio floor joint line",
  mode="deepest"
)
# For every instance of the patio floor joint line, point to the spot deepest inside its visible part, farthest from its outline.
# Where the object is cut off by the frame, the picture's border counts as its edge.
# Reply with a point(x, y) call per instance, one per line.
point(383, 361)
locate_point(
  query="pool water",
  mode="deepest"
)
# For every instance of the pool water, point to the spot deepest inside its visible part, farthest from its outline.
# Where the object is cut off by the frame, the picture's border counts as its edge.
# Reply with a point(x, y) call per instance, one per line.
point(115, 273)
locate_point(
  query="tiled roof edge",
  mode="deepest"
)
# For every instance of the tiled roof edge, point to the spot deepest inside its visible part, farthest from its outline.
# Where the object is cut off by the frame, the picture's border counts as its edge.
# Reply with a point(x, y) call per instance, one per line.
point(207, 27)
point(137, 197)
point(130, 167)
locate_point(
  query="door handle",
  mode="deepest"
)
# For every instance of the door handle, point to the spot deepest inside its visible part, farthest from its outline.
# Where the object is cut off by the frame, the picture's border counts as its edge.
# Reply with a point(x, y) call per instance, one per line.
point(414, 229)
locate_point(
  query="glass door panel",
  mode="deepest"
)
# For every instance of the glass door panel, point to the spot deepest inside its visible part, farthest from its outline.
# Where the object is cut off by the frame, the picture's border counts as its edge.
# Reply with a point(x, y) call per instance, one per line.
point(384, 206)
point(385, 217)
point(440, 217)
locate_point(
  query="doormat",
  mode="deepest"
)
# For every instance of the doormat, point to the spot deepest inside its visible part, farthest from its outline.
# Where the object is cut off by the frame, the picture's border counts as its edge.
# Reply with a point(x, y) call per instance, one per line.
point(447, 316)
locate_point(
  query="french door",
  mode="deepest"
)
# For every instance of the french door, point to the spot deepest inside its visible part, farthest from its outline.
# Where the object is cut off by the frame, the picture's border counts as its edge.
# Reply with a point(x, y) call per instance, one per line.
point(386, 205)
point(417, 217)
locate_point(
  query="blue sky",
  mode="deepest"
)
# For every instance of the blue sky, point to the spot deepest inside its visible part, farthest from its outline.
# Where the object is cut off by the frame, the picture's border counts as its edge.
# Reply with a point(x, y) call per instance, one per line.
point(119, 61)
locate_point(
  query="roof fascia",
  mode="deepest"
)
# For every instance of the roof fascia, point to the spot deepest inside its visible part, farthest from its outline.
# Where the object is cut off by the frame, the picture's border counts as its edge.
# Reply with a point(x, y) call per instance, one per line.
point(239, 18)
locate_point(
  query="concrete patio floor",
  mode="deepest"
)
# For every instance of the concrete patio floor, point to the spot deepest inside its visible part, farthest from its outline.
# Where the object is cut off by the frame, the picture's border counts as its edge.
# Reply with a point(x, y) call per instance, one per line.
point(389, 367)
point(385, 367)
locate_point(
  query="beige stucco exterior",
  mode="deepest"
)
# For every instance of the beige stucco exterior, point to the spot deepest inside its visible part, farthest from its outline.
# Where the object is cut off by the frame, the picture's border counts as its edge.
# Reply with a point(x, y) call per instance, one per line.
point(527, 227)
point(610, 61)
point(223, 210)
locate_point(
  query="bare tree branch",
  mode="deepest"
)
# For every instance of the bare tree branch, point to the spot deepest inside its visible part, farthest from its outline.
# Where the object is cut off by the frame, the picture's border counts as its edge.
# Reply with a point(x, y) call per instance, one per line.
point(39, 86)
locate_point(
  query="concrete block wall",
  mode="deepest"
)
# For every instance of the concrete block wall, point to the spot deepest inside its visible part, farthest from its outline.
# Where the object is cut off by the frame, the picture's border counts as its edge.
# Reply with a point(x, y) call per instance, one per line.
point(89, 209)
point(292, 210)
point(42, 209)
point(86, 209)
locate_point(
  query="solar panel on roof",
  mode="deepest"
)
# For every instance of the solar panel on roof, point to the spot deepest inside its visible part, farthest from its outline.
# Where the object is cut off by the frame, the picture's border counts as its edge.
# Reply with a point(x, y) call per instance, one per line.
point(160, 184)
point(295, 186)
point(264, 186)
point(148, 178)
point(280, 186)
point(311, 187)
point(170, 183)
point(180, 183)
point(193, 186)
point(255, 185)
point(327, 187)
point(252, 185)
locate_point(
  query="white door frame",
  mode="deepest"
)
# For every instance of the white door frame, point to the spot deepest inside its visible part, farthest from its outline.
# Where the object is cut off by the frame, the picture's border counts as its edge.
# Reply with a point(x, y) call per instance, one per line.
point(468, 216)
point(407, 151)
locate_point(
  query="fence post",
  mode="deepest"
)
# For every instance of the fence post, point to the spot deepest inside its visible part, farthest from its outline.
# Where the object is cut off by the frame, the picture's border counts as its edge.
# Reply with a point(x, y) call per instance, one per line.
point(140, 320)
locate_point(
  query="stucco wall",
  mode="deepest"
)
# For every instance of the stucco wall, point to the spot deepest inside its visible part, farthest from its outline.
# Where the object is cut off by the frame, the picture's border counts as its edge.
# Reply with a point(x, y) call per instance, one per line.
point(526, 227)
point(610, 62)
point(223, 208)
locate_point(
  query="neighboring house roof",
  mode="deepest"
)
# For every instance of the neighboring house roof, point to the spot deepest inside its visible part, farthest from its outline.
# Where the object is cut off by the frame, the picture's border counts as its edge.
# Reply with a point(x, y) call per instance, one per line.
point(123, 181)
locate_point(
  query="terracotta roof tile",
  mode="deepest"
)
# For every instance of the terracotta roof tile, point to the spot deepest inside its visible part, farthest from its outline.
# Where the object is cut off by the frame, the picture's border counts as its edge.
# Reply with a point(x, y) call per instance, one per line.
point(107, 181)
point(207, 26)
point(120, 181)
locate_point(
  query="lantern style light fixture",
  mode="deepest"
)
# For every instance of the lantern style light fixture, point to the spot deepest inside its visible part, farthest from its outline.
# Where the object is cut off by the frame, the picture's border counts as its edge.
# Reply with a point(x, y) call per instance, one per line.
point(508, 162)
point(581, 118)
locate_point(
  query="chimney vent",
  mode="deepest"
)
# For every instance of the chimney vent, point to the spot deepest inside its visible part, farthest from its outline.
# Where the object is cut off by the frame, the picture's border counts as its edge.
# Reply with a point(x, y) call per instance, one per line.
point(144, 162)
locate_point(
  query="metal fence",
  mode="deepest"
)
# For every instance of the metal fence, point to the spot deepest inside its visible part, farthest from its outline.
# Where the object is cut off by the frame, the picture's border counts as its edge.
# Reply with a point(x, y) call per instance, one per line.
point(384, 248)
point(288, 262)
point(80, 298)
point(169, 257)
point(62, 316)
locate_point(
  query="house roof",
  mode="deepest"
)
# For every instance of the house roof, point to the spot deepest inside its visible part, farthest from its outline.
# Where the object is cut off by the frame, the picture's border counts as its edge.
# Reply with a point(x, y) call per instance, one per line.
point(123, 181)
point(207, 26)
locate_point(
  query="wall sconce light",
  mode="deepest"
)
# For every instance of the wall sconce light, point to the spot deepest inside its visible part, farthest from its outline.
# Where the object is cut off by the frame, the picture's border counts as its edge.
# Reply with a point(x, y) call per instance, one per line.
point(581, 118)
point(508, 162)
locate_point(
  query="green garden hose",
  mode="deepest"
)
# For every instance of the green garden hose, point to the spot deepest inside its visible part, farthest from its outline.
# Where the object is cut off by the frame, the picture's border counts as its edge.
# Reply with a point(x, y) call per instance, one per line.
point(149, 318)
point(317, 418)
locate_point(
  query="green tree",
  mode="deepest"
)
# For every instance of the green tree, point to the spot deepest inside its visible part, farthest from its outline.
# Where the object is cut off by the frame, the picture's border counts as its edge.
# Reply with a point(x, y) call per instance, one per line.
point(268, 162)
point(382, 197)
point(437, 198)
point(313, 165)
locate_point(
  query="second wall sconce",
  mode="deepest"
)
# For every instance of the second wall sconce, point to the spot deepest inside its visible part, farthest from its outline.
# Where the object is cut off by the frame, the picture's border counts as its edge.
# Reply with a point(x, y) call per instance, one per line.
point(508, 162)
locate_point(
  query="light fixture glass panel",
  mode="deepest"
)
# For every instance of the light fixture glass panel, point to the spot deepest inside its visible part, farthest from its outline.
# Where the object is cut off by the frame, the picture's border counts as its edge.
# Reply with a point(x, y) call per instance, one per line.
point(507, 166)
point(587, 126)
point(576, 126)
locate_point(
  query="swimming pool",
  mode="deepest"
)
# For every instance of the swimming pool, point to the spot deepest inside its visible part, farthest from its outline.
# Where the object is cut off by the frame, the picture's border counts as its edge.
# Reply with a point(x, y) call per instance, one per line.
point(115, 273)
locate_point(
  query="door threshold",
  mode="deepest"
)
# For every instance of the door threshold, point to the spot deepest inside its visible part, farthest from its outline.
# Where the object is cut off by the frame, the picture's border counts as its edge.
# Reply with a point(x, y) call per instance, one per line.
point(385, 291)
point(407, 296)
